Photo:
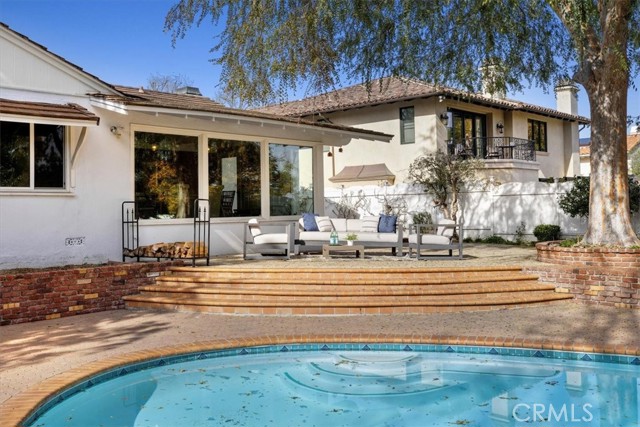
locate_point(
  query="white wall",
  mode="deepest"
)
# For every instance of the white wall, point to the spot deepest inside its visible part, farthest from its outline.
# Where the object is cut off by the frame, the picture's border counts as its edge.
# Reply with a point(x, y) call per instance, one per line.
point(495, 209)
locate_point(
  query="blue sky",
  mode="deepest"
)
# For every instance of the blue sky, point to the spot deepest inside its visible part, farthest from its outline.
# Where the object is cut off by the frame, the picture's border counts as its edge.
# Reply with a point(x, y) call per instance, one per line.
point(122, 42)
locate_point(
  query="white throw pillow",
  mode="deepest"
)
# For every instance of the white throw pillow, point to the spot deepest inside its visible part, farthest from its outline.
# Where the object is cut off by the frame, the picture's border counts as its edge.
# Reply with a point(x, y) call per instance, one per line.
point(369, 224)
point(324, 223)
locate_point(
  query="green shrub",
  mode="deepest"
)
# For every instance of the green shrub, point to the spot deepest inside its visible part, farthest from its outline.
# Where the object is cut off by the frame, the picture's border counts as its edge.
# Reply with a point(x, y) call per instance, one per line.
point(495, 240)
point(422, 218)
point(467, 240)
point(568, 243)
point(547, 232)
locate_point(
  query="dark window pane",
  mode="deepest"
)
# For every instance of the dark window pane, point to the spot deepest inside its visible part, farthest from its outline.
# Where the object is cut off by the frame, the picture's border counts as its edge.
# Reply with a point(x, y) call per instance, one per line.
point(49, 156)
point(166, 174)
point(234, 178)
point(14, 154)
point(291, 179)
point(407, 126)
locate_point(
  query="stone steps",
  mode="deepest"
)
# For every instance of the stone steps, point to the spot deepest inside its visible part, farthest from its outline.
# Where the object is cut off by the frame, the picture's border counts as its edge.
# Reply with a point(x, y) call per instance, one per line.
point(331, 291)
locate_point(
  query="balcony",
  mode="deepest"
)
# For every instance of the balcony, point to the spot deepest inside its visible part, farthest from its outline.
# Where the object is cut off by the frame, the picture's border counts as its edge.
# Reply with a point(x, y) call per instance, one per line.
point(493, 148)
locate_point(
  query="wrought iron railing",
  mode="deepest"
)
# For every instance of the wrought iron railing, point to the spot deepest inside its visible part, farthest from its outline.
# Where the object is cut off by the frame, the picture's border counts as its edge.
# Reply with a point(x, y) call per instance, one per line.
point(495, 147)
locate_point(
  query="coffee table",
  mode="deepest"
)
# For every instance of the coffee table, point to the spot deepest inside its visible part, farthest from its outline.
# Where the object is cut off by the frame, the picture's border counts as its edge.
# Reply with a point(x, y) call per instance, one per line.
point(328, 250)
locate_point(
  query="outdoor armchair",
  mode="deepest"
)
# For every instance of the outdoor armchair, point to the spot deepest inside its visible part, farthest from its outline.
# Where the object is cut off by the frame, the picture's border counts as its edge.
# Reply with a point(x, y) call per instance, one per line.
point(436, 237)
point(258, 241)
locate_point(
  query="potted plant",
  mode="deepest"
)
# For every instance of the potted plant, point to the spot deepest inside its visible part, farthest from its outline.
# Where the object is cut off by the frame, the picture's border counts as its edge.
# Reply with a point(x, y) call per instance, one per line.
point(350, 238)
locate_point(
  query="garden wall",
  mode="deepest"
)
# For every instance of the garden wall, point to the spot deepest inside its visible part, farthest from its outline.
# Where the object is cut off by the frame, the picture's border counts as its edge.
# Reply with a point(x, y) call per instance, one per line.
point(492, 209)
point(50, 294)
point(604, 276)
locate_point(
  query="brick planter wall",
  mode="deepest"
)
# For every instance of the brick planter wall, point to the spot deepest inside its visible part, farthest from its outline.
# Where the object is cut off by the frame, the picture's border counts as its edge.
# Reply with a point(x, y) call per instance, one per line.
point(604, 276)
point(50, 294)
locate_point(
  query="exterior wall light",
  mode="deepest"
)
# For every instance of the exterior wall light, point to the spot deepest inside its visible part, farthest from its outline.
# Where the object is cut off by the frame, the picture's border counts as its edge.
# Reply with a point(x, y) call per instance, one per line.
point(444, 118)
point(500, 127)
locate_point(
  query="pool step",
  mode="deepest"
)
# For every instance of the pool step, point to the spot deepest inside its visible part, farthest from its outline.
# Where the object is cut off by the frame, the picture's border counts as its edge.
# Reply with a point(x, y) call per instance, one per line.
point(331, 291)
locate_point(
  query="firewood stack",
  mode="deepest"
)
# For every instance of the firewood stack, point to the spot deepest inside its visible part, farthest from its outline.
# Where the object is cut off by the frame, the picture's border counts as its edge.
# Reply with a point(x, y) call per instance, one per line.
point(169, 250)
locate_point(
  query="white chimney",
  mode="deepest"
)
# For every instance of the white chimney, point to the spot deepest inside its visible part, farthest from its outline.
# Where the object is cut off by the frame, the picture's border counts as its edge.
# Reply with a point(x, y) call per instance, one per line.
point(492, 84)
point(567, 97)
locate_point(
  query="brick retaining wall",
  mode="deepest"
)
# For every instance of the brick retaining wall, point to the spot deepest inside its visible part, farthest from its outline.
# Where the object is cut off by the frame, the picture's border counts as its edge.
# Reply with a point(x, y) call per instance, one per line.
point(604, 276)
point(50, 294)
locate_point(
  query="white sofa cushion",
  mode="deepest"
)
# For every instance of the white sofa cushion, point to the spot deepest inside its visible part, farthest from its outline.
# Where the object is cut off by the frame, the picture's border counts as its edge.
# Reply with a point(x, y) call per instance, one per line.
point(445, 231)
point(315, 236)
point(377, 237)
point(254, 227)
point(339, 224)
point(369, 224)
point(324, 223)
point(271, 238)
point(430, 239)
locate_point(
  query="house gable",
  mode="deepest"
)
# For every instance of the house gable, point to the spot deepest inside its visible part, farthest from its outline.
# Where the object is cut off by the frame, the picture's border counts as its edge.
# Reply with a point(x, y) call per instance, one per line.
point(28, 66)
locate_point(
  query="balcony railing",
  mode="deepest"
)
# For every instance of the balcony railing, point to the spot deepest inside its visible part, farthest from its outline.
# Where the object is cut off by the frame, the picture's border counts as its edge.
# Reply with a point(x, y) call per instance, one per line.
point(495, 147)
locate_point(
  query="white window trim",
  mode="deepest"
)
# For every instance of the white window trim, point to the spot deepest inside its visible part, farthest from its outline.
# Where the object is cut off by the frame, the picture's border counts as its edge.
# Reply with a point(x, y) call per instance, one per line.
point(31, 190)
point(203, 168)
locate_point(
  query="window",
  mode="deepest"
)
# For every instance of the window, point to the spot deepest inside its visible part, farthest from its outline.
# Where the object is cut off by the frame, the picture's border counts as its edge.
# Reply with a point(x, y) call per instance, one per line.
point(234, 178)
point(291, 179)
point(32, 155)
point(407, 126)
point(538, 134)
point(166, 174)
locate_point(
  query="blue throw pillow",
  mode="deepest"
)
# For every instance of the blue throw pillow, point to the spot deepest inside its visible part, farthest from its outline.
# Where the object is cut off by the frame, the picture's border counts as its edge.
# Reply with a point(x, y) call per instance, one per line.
point(387, 224)
point(309, 221)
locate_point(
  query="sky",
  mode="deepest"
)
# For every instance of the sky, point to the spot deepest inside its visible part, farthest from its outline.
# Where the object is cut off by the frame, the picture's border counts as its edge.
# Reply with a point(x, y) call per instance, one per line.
point(123, 42)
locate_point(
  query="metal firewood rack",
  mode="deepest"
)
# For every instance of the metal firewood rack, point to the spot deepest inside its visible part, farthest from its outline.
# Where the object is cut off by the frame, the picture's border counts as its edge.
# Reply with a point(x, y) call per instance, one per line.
point(131, 247)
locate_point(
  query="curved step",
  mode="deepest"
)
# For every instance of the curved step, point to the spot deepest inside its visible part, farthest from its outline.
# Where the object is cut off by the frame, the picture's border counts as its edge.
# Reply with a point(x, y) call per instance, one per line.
point(342, 290)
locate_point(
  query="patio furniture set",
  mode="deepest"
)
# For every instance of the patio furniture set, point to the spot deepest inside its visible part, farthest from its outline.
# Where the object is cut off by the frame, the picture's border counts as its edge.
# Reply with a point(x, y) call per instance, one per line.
point(312, 234)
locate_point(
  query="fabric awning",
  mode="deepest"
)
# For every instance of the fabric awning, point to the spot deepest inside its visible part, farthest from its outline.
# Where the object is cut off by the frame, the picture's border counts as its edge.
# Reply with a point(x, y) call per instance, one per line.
point(377, 172)
point(68, 114)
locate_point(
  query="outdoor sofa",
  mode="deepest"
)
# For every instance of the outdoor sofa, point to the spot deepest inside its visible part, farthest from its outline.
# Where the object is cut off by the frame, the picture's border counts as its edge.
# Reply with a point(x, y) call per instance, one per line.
point(380, 231)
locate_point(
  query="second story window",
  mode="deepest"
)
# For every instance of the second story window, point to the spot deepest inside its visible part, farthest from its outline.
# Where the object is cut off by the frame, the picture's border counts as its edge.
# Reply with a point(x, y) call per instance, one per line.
point(407, 126)
point(538, 134)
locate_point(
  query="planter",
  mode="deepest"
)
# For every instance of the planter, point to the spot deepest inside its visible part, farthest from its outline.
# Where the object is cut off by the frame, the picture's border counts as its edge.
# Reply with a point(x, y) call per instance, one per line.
point(349, 242)
point(602, 276)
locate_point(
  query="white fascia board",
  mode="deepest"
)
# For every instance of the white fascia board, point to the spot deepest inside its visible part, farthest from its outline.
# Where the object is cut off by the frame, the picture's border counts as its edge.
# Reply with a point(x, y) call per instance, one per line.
point(328, 136)
point(46, 120)
point(116, 107)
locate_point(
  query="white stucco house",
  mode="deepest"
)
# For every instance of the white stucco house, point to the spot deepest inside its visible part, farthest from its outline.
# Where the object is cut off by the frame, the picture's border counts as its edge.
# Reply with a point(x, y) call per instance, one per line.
point(519, 142)
point(73, 148)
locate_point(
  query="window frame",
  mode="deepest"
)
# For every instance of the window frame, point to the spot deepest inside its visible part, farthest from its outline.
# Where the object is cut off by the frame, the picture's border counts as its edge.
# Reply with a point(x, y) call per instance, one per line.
point(404, 125)
point(539, 143)
point(32, 189)
point(203, 168)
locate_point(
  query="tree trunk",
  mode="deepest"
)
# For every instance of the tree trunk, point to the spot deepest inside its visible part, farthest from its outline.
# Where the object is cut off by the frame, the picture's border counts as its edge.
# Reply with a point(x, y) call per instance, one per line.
point(605, 77)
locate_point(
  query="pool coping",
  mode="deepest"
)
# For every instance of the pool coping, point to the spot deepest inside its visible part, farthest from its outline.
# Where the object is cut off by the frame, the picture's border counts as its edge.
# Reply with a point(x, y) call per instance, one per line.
point(19, 408)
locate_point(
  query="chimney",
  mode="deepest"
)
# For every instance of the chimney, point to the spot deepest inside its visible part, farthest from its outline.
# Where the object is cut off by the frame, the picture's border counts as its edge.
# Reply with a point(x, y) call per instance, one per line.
point(188, 90)
point(492, 84)
point(567, 97)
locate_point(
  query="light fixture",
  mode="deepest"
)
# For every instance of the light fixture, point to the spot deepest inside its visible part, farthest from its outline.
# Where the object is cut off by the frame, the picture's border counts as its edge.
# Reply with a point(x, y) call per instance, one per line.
point(340, 150)
point(500, 127)
point(329, 154)
point(444, 118)
point(116, 130)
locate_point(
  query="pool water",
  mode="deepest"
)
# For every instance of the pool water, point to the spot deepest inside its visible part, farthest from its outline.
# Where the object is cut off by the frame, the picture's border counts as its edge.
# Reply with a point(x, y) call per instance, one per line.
point(361, 388)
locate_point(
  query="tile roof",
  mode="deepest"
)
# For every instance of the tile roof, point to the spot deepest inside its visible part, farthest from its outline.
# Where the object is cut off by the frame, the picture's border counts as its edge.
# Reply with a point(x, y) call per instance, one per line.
point(41, 109)
point(390, 89)
point(633, 141)
point(164, 100)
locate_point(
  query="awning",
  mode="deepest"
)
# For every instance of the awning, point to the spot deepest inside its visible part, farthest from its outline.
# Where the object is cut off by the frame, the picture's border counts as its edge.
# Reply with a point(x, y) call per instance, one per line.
point(377, 172)
point(41, 112)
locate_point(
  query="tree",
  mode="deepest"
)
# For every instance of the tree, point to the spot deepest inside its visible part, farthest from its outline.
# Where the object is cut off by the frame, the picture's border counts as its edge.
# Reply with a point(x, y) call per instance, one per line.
point(168, 82)
point(444, 176)
point(267, 48)
point(575, 202)
point(635, 164)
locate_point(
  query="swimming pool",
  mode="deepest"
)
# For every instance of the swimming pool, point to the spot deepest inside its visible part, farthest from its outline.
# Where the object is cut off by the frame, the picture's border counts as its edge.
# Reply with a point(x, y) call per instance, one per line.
point(358, 384)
